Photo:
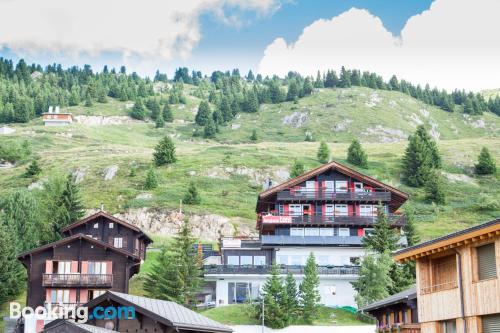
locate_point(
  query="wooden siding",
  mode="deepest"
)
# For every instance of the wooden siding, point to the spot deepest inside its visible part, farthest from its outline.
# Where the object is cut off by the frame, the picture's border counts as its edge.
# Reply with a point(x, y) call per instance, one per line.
point(480, 297)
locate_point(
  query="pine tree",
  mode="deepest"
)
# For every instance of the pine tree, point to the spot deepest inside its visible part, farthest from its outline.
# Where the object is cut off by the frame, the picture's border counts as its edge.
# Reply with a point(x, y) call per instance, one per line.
point(383, 238)
point(159, 123)
point(138, 110)
point(12, 273)
point(23, 218)
point(71, 204)
point(254, 137)
point(88, 101)
point(309, 291)
point(210, 129)
point(163, 280)
point(151, 180)
point(318, 83)
point(33, 169)
point(402, 277)
point(434, 188)
point(164, 152)
point(409, 229)
point(323, 153)
point(297, 169)
point(421, 156)
point(251, 102)
point(356, 155)
point(192, 197)
point(374, 279)
point(204, 113)
point(291, 305)
point(167, 113)
point(485, 164)
point(293, 91)
point(274, 299)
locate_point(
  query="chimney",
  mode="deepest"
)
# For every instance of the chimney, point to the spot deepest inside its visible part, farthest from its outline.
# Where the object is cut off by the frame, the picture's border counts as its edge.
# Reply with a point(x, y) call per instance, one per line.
point(102, 207)
point(50, 109)
point(57, 109)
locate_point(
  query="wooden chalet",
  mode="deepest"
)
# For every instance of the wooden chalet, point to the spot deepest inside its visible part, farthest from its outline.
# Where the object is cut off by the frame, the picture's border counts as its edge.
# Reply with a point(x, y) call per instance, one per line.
point(152, 315)
point(458, 288)
point(99, 253)
point(396, 313)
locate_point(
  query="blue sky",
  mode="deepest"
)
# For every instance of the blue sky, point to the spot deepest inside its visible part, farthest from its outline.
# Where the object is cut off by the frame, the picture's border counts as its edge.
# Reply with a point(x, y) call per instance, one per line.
point(446, 43)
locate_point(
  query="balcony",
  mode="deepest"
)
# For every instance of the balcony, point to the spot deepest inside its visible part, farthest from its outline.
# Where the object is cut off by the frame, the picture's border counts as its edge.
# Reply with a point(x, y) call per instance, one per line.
point(322, 193)
point(78, 280)
point(350, 220)
point(282, 269)
point(273, 240)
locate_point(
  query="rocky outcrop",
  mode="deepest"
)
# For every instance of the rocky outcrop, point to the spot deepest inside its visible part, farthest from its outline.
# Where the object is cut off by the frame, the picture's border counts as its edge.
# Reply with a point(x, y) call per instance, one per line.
point(296, 119)
point(256, 177)
point(78, 175)
point(110, 172)
point(167, 222)
point(103, 121)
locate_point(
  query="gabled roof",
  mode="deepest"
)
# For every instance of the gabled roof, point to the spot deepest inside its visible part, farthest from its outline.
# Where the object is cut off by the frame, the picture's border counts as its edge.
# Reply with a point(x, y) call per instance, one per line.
point(407, 294)
point(73, 238)
point(166, 312)
point(325, 167)
point(399, 197)
point(82, 327)
point(109, 217)
point(458, 238)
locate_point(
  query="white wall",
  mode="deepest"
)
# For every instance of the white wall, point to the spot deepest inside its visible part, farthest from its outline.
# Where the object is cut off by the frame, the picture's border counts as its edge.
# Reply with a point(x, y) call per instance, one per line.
point(344, 292)
point(324, 256)
point(302, 329)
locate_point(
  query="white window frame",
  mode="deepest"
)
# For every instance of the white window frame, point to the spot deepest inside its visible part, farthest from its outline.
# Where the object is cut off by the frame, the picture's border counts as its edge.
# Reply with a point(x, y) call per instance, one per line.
point(329, 210)
point(96, 225)
point(259, 260)
point(311, 232)
point(97, 267)
point(329, 186)
point(341, 210)
point(59, 296)
point(310, 188)
point(230, 258)
point(281, 259)
point(297, 232)
point(366, 210)
point(327, 232)
point(118, 242)
point(246, 258)
point(341, 186)
point(63, 267)
point(111, 225)
point(344, 232)
point(360, 188)
point(295, 210)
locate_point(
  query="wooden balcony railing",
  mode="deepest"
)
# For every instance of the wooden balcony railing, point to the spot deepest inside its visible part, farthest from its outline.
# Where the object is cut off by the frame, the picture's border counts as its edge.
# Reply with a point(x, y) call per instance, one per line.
point(400, 328)
point(75, 279)
point(274, 218)
point(438, 287)
point(329, 194)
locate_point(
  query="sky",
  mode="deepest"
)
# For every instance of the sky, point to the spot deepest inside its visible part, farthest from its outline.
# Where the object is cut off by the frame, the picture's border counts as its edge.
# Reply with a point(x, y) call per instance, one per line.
point(446, 43)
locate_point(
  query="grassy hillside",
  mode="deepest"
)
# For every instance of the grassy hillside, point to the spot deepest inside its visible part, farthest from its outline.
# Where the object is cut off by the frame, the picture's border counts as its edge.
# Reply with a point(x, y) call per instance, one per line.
point(232, 168)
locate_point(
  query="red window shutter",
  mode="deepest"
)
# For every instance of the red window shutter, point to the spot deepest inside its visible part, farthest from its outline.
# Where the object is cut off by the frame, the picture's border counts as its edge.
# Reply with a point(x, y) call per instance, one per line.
point(361, 232)
point(48, 294)
point(109, 267)
point(85, 267)
point(74, 267)
point(72, 295)
point(313, 209)
point(286, 209)
point(48, 267)
point(323, 209)
point(358, 212)
point(350, 209)
point(83, 295)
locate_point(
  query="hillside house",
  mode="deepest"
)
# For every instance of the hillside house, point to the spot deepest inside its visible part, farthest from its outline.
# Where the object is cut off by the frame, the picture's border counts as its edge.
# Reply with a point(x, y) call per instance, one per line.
point(458, 289)
point(326, 211)
point(55, 118)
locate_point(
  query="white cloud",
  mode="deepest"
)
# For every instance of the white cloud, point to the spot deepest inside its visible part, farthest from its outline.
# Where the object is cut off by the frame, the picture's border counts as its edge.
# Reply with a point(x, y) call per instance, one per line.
point(164, 29)
point(454, 44)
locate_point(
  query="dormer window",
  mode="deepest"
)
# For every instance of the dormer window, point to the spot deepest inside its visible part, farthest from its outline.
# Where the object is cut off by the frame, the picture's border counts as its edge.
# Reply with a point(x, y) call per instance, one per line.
point(111, 225)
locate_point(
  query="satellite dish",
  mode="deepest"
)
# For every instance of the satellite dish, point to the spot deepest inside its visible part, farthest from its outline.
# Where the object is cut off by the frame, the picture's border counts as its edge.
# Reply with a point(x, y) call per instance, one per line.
point(109, 325)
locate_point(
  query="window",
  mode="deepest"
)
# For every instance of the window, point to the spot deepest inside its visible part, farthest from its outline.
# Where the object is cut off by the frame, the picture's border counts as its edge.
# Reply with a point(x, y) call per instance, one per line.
point(118, 242)
point(491, 323)
point(96, 225)
point(259, 260)
point(282, 260)
point(340, 210)
point(246, 260)
point(366, 210)
point(358, 187)
point(326, 231)
point(295, 210)
point(233, 260)
point(297, 232)
point(449, 326)
point(59, 296)
point(329, 209)
point(329, 186)
point(111, 225)
point(344, 232)
point(97, 267)
point(369, 231)
point(341, 186)
point(62, 267)
point(486, 262)
point(239, 292)
point(296, 260)
point(91, 294)
point(310, 188)
point(311, 231)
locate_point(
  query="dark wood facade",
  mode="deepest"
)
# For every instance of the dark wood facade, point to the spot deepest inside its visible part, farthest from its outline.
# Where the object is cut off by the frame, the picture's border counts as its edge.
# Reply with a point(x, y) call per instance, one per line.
point(86, 263)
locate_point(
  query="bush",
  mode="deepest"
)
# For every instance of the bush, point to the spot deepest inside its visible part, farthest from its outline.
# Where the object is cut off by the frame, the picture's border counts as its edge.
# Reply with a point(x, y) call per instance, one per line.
point(151, 180)
point(164, 152)
point(192, 197)
point(356, 155)
point(486, 164)
point(33, 169)
point(13, 151)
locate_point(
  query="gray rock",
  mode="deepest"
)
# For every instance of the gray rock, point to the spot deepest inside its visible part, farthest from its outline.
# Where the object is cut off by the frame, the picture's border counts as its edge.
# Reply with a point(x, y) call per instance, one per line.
point(110, 172)
point(6, 165)
point(144, 196)
point(78, 175)
point(296, 119)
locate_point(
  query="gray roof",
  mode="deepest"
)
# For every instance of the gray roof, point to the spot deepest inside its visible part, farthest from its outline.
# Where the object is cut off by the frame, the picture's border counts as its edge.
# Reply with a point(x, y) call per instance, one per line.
point(178, 315)
point(85, 327)
point(454, 234)
point(393, 299)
